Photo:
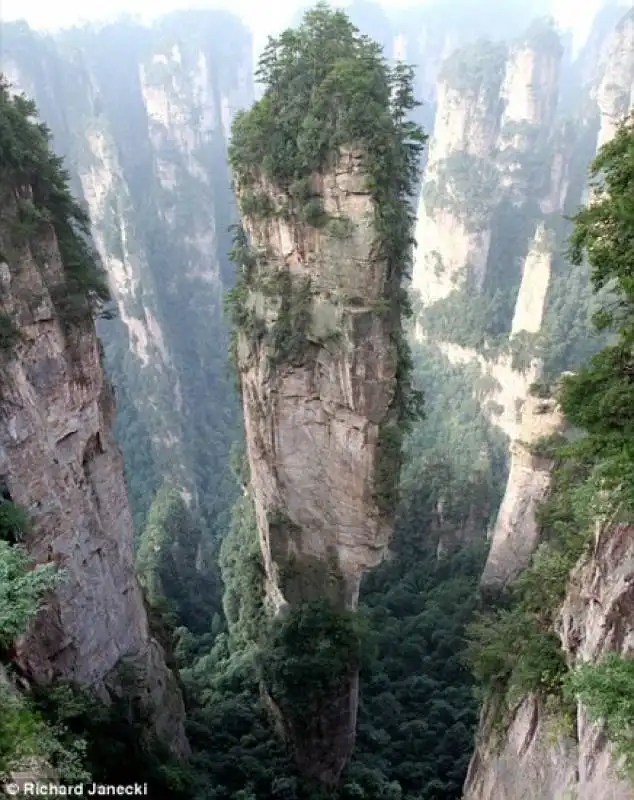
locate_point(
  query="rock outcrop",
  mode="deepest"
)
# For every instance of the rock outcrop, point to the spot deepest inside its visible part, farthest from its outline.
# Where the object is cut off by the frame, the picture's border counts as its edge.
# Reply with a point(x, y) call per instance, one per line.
point(316, 408)
point(615, 92)
point(536, 758)
point(145, 135)
point(313, 421)
point(452, 228)
point(495, 114)
point(516, 534)
point(58, 459)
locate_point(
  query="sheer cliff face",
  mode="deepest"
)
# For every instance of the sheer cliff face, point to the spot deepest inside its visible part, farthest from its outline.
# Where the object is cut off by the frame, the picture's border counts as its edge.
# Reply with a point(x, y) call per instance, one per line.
point(515, 535)
point(314, 412)
point(59, 460)
point(453, 240)
point(312, 419)
point(494, 122)
point(145, 125)
point(534, 759)
point(615, 92)
point(493, 108)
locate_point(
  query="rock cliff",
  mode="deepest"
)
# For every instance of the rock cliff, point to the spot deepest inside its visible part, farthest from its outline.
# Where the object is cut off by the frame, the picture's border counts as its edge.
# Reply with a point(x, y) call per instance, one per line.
point(615, 91)
point(321, 356)
point(516, 534)
point(317, 405)
point(313, 420)
point(489, 151)
point(460, 185)
point(58, 459)
point(535, 755)
point(143, 116)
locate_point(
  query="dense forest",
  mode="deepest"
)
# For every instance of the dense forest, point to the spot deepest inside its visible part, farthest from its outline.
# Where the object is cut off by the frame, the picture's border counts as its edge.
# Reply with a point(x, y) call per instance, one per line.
point(429, 647)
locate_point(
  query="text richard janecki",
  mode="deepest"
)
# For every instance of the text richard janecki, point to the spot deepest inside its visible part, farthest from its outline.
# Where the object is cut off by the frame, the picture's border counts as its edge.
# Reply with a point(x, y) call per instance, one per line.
point(37, 789)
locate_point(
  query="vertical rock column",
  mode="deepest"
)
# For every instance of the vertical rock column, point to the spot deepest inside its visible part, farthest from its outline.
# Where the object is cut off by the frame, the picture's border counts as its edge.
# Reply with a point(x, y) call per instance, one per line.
point(318, 361)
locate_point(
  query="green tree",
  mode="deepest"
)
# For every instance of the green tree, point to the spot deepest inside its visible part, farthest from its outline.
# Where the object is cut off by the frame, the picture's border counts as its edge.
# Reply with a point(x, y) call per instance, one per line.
point(22, 589)
point(28, 161)
point(168, 564)
point(599, 398)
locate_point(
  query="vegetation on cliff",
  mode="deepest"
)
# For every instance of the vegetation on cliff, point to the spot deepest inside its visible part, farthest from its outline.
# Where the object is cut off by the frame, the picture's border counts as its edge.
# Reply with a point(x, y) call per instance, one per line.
point(24, 733)
point(42, 205)
point(476, 67)
point(594, 471)
point(328, 92)
point(326, 87)
point(417, 713)
point(176, 413)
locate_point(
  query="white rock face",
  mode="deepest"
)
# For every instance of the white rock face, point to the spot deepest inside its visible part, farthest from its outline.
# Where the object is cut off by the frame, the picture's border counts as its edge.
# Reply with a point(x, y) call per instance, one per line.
point(509, 391)
point(516, 534)
point(183, 116)
point(554, 198)
point(446, 243)
point(529, 95)
point(107, 199)
point(525, 419)
point(531, 297)
point(59, 460)
point(466, 121)
point(449, 247)
point(615, 93)
point(445, 246)
point(530, 88)
point(482, 124)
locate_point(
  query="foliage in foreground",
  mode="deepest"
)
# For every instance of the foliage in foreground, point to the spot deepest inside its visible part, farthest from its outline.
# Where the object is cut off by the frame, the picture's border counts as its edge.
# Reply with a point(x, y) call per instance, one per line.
point(606, 690)
point(513, 650)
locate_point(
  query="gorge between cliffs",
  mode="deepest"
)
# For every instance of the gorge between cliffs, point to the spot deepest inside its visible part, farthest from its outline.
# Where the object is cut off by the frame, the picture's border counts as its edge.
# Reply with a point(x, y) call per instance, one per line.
point(315, 405)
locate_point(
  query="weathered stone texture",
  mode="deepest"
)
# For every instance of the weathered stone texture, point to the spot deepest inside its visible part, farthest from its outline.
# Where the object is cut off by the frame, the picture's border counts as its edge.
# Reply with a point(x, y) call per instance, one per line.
point(535, 759)
point(58, 459)
point(516, 534)
point(313, 424)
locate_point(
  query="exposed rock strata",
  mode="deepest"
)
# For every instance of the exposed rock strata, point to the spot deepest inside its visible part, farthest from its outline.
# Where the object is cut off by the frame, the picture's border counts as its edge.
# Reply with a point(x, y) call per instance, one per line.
point(516, 535)
point(313, 419)
point(536, 759)
point(58, 459)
